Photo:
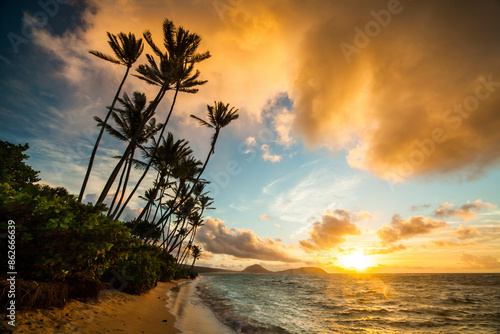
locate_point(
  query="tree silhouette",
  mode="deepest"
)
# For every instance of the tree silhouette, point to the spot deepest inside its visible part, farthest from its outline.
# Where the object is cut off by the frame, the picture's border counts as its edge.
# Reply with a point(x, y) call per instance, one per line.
point(127, 50)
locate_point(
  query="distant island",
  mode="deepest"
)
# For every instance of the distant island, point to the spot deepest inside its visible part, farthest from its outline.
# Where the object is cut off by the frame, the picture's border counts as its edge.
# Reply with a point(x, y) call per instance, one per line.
point(258, 269)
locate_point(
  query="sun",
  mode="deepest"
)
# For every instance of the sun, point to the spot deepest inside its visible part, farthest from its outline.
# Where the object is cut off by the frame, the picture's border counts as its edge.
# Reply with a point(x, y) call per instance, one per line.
point(356, 260)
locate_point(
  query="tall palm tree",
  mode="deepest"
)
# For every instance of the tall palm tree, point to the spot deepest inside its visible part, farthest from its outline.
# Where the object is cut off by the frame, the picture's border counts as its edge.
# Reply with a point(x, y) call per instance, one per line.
point(175, 71)
point(219, 116)
point(164, 158)
point(128, 120)
point(127, 50)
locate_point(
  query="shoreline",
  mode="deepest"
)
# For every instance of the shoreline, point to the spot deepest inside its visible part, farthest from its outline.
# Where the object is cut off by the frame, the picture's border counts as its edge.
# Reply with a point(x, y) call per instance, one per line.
point(114, 312)
point(191, 314)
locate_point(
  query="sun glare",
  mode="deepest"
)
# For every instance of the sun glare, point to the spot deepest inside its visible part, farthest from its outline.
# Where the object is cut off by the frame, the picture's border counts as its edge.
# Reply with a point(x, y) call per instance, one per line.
point(356, 260)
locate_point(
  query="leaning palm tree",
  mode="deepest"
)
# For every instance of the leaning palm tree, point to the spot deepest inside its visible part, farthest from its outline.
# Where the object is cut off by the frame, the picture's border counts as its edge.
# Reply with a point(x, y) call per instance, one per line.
point(127, 50)
point(219, 116)
point(128, 120)
point(174, 71)
point(164, 158)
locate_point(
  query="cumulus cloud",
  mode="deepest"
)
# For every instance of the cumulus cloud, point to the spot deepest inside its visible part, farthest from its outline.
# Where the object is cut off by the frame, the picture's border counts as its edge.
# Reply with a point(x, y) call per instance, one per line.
point(400, 229)
point(398, 104)
point(466, 211)
point(250, 141)
point(331, 230)
point(268, 156)
point(484, 262)
point(467, 232)
point(218, 239)
point(263, 217)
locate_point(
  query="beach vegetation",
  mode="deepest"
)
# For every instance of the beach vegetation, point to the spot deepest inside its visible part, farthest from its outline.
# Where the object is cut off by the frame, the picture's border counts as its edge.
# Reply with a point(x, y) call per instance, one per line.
point(74, 247)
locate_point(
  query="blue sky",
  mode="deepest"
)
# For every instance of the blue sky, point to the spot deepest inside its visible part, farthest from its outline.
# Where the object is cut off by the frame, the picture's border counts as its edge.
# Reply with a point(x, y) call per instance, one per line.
point(319, 153)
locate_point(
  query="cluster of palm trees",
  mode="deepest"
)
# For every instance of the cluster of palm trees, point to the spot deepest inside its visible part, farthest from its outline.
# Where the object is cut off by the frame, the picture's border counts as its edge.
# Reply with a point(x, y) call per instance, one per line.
point(176, 201)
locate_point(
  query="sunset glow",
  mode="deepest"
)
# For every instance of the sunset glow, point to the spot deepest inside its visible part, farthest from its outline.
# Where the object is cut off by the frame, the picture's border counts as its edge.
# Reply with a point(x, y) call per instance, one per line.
point(357, 260)
point(360, 144)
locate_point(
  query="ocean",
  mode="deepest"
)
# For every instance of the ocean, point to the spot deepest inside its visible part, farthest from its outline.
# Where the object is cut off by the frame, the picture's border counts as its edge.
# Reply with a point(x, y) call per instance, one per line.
point(354, 303)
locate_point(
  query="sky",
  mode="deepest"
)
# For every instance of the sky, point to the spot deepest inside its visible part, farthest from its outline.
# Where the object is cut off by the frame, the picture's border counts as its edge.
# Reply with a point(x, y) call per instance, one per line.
point(368, 133)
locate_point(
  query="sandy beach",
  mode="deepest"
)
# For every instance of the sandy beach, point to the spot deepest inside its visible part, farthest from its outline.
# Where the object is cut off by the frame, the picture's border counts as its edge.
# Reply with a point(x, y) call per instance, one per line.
point(116, 312)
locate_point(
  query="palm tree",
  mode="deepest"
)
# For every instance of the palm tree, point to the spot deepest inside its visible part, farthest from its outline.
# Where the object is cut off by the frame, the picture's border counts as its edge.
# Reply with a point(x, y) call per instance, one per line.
point(128, 121)
point(195, 253)
point(175, 71)
point(219, 116)
point(127, 50)
point(164, 158)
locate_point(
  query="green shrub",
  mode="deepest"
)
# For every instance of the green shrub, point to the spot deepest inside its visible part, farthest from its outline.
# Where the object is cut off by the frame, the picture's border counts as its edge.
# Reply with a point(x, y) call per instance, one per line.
point(57, 236)
point(142, 269)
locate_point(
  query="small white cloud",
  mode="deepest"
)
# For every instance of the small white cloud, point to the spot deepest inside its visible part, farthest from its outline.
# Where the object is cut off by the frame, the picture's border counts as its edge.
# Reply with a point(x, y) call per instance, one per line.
point(268, 156)
point(250, 141)
point(283, 123)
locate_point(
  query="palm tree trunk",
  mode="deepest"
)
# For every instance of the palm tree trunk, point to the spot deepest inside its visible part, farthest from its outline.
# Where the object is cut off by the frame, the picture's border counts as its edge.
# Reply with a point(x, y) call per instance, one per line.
point(156, 147)
point(117, 189)
point(216, 135)
point(96, 145)
point(131, 144)
point(125, 183)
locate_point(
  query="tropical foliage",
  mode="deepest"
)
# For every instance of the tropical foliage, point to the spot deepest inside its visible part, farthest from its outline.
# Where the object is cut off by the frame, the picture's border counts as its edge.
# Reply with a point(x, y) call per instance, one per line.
point(59, 238)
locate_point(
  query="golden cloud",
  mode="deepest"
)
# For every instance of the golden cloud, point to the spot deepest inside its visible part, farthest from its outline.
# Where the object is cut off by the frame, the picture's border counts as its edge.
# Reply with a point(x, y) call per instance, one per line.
point(218, 239)
point(485, 262)
point(467, 232)
point(331, 230)
point(466, 211)
point(400, 229)
point(407, 88)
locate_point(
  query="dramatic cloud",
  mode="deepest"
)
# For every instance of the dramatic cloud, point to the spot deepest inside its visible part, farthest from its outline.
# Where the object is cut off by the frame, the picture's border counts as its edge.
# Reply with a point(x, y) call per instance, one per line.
point(331, 230)
point(366, 77)
point(400, 229)
point(484, 262)
point(380, 83)
point(467, 232)
point(466, 211)
point(218, 239)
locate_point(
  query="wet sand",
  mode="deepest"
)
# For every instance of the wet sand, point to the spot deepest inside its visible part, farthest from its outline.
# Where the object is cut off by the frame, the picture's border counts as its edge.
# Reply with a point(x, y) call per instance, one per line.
point(192, 316)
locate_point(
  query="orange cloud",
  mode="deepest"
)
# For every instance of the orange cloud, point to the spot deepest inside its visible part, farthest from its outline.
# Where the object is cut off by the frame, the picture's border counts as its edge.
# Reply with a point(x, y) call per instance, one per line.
point(388, 250)
point(398, 104)
point(218, 239)
point(485, 262)
point(450, 244)
point(467, 232)
point(466, 211)
point(400, 229)
point(331, 230)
